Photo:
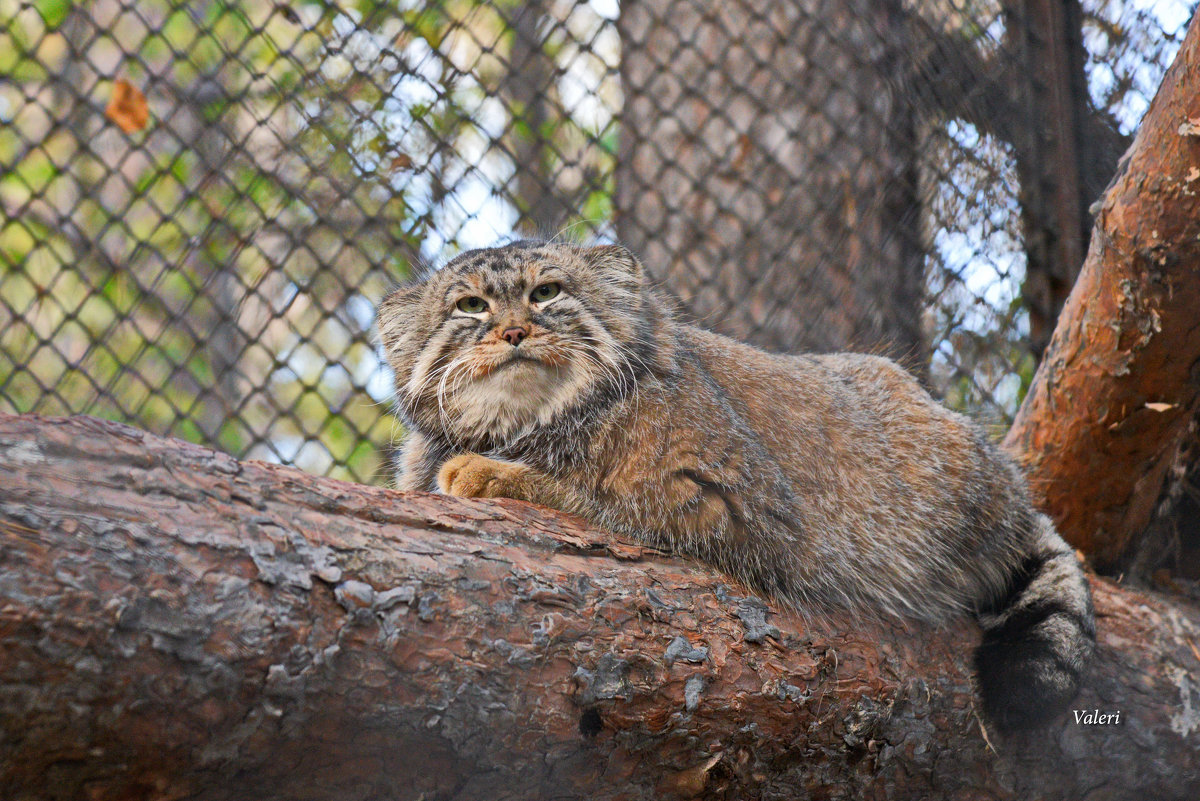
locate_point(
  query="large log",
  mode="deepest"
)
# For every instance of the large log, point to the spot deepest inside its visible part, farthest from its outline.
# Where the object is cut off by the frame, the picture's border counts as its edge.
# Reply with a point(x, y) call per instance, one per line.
point(177, 624)
point(1121, 379)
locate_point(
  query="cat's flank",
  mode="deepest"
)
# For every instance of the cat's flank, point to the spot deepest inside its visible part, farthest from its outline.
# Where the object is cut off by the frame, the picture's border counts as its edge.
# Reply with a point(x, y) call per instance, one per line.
point(557, 374)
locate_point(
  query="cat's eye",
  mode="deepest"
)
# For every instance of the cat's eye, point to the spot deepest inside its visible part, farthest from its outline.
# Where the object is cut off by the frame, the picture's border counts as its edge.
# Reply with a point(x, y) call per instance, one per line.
point(472, 305)
point(544, 292)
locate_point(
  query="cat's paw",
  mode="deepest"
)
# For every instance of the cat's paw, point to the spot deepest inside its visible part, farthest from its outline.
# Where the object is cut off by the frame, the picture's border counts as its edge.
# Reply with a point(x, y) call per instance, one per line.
point(473, 476)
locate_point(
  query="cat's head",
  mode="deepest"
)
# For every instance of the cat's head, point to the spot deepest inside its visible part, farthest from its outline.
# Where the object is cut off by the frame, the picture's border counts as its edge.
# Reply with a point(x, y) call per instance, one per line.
point(503, 340)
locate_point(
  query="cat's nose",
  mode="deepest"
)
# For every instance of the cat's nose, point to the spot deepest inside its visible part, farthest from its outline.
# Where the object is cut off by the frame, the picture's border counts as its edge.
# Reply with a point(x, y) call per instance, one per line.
point(514, 335)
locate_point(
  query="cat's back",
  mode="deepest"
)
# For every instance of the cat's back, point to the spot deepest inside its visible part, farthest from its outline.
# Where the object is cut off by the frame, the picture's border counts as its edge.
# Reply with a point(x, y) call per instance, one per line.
point(848, 426)
point(837, 389)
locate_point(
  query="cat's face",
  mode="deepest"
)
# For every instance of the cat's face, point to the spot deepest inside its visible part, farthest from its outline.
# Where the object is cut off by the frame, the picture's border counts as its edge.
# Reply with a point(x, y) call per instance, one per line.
point(501, 340)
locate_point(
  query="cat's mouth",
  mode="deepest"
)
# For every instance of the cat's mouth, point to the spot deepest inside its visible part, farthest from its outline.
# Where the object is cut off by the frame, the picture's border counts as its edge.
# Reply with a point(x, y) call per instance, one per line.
point(517, 361)
point(547, 360)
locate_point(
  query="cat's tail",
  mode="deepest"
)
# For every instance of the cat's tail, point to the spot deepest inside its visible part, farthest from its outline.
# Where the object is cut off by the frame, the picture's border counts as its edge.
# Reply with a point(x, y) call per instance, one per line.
point(1038, 637)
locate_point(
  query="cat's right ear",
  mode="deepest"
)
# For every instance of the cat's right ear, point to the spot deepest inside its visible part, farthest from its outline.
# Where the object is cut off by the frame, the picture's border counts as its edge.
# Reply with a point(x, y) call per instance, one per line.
point(396, 317)
point(616, 258)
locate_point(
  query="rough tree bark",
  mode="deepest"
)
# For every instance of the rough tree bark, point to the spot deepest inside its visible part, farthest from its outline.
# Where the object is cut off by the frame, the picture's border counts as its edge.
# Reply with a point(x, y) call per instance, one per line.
point(1121, 378)
point(177, 624)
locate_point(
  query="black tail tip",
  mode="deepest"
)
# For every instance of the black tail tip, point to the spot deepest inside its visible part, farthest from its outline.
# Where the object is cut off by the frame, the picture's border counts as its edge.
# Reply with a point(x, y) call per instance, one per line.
point(1025, 686)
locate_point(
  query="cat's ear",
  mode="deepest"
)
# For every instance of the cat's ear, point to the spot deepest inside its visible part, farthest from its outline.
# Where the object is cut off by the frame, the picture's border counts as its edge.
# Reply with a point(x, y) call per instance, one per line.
point(397, 315)
point(614, 257)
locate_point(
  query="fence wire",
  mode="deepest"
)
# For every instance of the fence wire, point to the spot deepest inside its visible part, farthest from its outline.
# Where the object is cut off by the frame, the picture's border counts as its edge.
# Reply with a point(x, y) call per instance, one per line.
point(203, 201)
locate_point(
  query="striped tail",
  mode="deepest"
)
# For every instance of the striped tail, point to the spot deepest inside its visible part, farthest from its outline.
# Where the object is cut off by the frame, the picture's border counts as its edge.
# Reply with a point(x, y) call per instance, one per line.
point(1038, 638)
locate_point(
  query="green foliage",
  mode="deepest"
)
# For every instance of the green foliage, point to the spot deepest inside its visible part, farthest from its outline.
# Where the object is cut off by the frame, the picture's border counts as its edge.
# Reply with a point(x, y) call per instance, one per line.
point(52, 12)
point(212, 276)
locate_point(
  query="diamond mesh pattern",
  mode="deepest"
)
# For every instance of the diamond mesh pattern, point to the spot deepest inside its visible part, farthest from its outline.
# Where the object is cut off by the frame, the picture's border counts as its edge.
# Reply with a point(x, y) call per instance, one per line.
point(202, 201)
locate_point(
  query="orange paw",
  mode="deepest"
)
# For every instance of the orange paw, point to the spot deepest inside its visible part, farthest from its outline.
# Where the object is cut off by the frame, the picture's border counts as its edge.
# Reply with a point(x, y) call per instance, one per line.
point(473, 476)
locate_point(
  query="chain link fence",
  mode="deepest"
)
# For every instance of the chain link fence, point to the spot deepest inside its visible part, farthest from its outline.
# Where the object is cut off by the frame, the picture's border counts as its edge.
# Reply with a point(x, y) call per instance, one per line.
point(203, 201)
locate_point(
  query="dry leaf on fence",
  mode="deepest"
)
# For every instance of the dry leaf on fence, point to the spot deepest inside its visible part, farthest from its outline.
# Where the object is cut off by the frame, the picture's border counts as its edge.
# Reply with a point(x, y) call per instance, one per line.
point(127, 108)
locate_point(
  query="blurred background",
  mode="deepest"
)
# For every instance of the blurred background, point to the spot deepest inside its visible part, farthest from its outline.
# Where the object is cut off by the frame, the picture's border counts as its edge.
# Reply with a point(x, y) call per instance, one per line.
point(202, 202)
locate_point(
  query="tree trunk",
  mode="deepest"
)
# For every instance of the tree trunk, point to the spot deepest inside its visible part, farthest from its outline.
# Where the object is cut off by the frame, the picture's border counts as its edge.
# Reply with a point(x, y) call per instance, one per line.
point(768, 170)
point(1111, 401)
point(770, 156)
point(178, 624)
point(1053, 154)
point(527, 86)
point(1032, 94)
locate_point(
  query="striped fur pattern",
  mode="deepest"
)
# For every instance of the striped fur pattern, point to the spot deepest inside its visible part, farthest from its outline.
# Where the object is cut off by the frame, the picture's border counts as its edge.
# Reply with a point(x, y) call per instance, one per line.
point(557, 374)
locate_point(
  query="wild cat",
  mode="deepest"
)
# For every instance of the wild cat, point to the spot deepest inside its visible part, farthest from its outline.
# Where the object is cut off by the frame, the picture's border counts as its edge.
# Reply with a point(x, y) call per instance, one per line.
point(557, 374)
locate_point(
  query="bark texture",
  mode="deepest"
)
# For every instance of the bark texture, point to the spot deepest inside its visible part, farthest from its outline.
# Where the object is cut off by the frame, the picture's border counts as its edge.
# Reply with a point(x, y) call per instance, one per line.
point(1121, 379)
point(177, 624)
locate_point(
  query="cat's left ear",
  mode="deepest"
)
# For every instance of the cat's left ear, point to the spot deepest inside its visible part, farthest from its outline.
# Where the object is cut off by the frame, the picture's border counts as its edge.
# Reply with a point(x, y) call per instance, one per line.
point(616, 258)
